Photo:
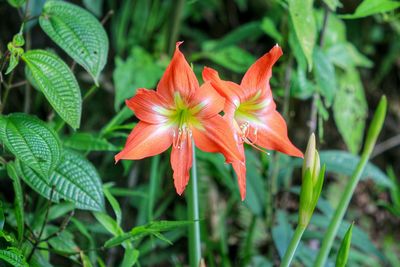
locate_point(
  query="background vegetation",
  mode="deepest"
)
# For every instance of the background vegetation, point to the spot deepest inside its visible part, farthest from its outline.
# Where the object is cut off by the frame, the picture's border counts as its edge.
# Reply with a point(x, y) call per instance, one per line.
point(339, 58)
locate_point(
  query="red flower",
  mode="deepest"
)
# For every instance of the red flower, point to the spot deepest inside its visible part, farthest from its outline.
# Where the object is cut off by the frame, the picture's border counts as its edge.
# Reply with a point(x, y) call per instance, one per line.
point(251, 111)
point(178, 112)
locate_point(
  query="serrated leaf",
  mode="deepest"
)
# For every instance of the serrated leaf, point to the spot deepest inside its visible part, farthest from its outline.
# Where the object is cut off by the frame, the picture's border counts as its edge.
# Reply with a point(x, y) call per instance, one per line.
point(302, 15)
point(350, 110)
point(54, 78)
point(75, 179)
point(14, 257)
point(78, 33)
point(88, 142)
point(371, 7)
point(32, 142)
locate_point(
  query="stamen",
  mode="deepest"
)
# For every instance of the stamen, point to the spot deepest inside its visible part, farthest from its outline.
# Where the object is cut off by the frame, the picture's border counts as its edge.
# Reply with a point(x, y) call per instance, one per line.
point(184, 132)
point(245, 134)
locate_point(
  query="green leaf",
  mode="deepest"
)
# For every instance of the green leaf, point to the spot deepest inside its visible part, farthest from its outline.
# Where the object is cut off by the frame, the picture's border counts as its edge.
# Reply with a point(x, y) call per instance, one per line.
point(232, 57)
point(78, 33)
point(131, 256)
point(301, 13)
point(346, 56)
point(31, 141)
point(54, 78)
point(85, 260)
point(151, 228)
point(332, 4)
point(108, 223)
point(144, 72)
point(18, 200)
point(75, 179)
point(14, 257)
point(16, 3)
point(268, 26)
point(88, 142)
point(114, 204)
point(350, 110)
point(94, 6)
point(2, 218)
point(325, 75)
point(282, 233)
point(344, 249)
point(372, 7)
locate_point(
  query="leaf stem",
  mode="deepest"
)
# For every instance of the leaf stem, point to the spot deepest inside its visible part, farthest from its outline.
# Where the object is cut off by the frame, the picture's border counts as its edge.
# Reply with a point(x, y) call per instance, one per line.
point(373, 132)
point(290, 251)
point(193, 212)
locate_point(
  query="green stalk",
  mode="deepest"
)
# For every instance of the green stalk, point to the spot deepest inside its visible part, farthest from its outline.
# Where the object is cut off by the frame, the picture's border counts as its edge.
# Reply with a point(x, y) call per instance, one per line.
point(287, 258)
point(153, 185)
point(373, 132)
point(193, 212)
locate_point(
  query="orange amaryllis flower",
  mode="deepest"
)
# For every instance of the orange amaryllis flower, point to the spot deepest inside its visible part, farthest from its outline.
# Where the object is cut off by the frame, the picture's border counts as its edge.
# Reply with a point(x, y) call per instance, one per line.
point(177, 112)
point(251, 111)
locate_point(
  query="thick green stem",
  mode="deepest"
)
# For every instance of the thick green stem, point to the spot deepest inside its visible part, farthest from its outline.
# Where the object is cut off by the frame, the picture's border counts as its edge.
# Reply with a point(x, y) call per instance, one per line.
point(287, 258)
point(193, 212)
point(373, 132)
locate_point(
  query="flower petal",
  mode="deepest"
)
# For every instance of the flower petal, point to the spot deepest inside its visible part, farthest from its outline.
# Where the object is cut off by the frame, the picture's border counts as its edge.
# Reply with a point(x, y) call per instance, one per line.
point(148, 106)
point(181, 162)
point(271, 133)
point(229, 90)
point(178, 77)
point(146, 140)
point(216, 135)
point(258, 75)
point(207, 102)
point(240, 169)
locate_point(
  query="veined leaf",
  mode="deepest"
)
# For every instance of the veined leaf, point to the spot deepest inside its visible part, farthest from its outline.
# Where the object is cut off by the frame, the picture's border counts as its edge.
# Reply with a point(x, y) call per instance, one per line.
point(32, 142)
point(301, 13)
point(75, 179)
point(88, 142)
point(14, 257)
point(54, 78)
point(78, 33)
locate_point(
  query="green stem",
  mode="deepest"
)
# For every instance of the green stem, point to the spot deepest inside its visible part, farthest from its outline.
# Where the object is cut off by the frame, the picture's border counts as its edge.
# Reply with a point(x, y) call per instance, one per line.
point(154, 169)
point(193, 212)
point(287, 258)
point(373, 132)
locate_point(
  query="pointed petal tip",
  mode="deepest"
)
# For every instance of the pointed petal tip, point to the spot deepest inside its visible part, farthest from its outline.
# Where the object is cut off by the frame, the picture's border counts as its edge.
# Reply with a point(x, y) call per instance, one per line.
point(178, 44)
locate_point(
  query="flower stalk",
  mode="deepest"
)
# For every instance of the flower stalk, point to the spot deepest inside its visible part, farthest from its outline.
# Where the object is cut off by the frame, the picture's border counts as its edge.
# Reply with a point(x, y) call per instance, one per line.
point(313, 178)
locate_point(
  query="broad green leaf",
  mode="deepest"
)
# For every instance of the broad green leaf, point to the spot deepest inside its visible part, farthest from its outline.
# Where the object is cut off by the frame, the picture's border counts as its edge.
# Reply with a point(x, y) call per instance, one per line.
point(78, 33)
point(344, 249)
point(343, 162)
point(144, 72)
point(232, 57)
point(75, 179)
point(302, 15)
point(31, 141)
point(325, 75)
point(371, 7)
point(18, 200)
point(14, 257)
point(346, 56)
point(350, 110)
point(54, 78)
point(16, 3)
point(88, 142)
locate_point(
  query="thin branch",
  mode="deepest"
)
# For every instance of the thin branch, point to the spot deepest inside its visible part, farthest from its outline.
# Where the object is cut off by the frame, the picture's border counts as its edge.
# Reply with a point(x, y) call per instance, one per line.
point(107, 17)
point(62, 227)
